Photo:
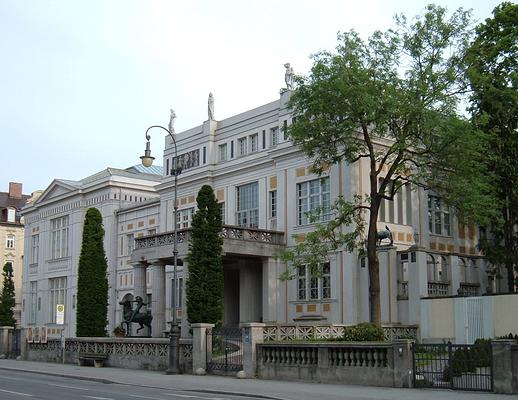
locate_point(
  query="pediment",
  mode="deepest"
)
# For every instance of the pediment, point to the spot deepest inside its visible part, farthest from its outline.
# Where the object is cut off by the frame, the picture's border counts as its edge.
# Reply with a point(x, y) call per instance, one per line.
point(56, 189)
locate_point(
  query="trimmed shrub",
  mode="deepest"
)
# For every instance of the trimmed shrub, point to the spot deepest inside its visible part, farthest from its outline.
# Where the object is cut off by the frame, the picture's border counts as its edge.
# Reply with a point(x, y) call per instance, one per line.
point(364, 332)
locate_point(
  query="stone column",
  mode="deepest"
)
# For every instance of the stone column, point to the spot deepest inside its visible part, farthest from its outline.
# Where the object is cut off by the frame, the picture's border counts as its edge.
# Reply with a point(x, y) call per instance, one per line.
point(199, 347)
point(417, 286)
point(5, 334)
point(139, 289)
point(252, 334)
point(403, 362)
point(503, 366)
point(454, 275)
point(270, 289)
point(157, 298)
point(184, 323)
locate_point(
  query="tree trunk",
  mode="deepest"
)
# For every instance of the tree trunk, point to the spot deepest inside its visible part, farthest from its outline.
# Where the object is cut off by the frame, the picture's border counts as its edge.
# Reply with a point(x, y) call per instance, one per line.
point(373, 262)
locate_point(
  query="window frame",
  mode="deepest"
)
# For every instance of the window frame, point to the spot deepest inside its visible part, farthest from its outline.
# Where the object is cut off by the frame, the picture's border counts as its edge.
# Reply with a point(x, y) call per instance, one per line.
point(312, 288)
point(248, 217)
point(308, 201)
point(59, 237)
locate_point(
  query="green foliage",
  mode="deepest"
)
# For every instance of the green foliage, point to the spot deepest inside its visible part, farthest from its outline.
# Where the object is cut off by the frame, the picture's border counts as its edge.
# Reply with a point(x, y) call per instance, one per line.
point(205, 281)
point(493, 74)
point(391, 100)
point(92, 281)
point(364, 332)
point(7, 298)
point(509, 336)
point(468, 359)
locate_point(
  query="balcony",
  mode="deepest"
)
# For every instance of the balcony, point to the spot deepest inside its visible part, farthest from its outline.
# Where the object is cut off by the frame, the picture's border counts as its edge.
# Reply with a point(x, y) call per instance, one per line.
point(437, 289)
point(469, 289)
point(236, 240)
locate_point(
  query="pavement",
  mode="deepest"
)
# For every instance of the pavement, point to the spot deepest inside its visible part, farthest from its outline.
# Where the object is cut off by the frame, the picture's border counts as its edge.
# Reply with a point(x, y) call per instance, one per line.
point(264, 389)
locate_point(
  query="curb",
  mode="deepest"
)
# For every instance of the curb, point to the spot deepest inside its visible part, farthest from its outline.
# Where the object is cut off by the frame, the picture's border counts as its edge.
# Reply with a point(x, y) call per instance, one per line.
point(109, 381)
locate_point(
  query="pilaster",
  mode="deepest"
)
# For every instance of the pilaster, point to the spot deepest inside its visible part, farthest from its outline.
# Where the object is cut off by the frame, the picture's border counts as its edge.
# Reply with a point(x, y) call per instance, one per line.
point(157, 269)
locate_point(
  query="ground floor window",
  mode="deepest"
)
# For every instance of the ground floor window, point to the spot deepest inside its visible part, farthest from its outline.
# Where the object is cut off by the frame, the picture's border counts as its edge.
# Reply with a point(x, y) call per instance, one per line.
point(57, 295)
point(310, 287)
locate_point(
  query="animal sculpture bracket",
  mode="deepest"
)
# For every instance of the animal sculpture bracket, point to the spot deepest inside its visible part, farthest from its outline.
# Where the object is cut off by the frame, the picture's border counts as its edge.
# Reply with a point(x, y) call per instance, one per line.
point(131, 315)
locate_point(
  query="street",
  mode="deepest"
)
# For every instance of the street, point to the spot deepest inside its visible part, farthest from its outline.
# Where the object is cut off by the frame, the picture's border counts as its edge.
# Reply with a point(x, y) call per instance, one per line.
point(19, 385)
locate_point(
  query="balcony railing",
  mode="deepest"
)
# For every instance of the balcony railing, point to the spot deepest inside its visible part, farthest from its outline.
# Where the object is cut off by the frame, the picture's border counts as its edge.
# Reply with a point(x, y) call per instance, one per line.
point(438, 289)
point(228, 232)
point(469, 289)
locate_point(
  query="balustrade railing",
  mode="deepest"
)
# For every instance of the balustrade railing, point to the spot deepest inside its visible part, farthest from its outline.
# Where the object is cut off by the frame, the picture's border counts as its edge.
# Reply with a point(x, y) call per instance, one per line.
point(469, 289)
point(282, 333)
point(227, 232)
point(438, 289)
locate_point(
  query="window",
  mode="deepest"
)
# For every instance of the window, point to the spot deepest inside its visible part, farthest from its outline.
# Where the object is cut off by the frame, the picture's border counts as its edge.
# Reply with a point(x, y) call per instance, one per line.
point(254, 143)
point(151, 231)
point(310, 196)
point(222, 151)
point(58, 294)
point(35, 244)
point(179, 292)
point(438, 216)
point(33, 302)
point(222, 211)
point(264, 139)
point(285, 129)
point(59, 237)
point(274, 136)
point(204, 155)
point(241, 147)
point(232, 149)
point(310, 287)
point(9, 242)
point(273, 204)
point(248, 205)
point(184, 218)
point(130, 244)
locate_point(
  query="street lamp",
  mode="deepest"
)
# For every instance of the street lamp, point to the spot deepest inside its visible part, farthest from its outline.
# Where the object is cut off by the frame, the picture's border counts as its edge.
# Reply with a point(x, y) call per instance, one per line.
point(174, 334)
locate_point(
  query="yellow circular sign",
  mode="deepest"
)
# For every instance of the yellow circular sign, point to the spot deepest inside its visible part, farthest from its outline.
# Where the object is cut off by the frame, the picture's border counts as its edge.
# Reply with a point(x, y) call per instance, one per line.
point(61, 308)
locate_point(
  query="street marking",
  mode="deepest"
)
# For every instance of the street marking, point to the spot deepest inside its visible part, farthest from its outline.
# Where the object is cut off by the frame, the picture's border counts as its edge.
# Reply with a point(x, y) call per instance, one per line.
point(197, 397)
point(18, 393)
point(145, 397)
point(99, 398)
point(67, 387)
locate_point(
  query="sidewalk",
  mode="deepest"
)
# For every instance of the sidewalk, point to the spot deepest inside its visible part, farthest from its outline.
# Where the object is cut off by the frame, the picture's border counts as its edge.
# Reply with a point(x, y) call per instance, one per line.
point(228, 385)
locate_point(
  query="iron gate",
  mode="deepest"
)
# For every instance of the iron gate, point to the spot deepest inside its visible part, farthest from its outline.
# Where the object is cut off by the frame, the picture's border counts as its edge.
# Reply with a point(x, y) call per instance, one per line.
point(227, 350)
point(454, 366)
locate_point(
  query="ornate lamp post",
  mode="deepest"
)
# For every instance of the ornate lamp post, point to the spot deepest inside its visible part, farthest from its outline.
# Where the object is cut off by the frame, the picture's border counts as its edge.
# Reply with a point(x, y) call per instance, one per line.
point(147, 161)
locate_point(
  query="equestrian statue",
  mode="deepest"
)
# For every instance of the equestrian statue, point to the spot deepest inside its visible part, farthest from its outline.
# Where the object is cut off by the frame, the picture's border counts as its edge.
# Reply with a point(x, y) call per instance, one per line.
point(134, 315)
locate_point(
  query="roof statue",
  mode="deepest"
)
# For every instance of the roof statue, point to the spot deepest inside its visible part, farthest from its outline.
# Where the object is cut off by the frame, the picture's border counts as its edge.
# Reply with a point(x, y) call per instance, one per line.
point(171, 122)
point(210, 107)
point(288, 76)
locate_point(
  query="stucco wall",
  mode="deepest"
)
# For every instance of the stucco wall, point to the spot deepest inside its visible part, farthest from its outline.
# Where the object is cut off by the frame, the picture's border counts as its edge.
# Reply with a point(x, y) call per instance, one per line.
point(442, 315)
point(505, 314)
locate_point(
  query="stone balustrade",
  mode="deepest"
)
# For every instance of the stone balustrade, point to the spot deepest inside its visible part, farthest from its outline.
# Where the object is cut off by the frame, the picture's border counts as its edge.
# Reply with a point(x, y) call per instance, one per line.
point(227, 232)
point(379, 364)
point(438, 289)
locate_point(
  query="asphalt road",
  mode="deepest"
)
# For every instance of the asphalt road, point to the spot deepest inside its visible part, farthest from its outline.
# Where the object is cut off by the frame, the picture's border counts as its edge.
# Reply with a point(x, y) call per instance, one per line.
point(21, 385)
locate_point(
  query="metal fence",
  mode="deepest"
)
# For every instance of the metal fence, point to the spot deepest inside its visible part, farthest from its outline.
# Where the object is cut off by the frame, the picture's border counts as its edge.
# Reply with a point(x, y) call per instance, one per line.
point(224, 350)
point(453, 366)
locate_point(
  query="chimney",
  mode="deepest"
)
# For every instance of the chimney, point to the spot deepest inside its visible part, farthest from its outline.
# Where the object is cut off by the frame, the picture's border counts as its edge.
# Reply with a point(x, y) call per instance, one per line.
point(15, 190)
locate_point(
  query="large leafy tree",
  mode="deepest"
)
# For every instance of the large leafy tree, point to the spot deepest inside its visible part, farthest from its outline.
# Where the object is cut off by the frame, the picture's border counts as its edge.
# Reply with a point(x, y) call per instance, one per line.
point(7, 299)
point(205, 282)
point(92, 280)
point(493, 73)
point(389, 102)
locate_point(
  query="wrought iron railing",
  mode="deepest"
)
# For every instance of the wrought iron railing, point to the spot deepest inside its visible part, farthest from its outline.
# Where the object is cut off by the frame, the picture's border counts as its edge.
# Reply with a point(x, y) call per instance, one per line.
point(228, 232)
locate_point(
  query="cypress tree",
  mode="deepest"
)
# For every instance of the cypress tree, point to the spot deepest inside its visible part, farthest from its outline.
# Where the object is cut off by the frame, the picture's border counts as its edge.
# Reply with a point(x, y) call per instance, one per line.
point(7, 300)
point(205, 282)
point(92, 280)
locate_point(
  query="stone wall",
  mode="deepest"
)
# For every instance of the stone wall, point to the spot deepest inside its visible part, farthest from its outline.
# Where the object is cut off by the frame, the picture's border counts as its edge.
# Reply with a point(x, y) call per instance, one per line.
point(374, 364)
point(134, 353)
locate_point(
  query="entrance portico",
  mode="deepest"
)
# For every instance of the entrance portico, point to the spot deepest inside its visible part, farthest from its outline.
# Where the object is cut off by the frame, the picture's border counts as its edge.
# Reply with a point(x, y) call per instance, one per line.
point(250, 270)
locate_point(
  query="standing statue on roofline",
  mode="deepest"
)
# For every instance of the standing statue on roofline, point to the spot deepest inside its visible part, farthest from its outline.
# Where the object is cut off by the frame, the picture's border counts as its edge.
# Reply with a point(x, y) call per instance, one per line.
point(171, 122)
point(210, 107)
point(288, 76)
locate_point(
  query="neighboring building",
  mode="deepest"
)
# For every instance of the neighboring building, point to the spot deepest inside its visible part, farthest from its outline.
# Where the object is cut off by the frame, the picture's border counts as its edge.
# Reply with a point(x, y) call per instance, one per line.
point(11, 238)
point(53, 237)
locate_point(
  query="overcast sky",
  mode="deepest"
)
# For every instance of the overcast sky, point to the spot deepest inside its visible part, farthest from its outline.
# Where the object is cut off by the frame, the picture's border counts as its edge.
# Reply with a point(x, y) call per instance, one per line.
point(81, 80)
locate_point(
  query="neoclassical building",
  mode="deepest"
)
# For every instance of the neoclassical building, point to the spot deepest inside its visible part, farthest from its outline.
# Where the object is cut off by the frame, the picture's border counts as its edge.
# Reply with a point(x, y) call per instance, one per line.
point(264, 186)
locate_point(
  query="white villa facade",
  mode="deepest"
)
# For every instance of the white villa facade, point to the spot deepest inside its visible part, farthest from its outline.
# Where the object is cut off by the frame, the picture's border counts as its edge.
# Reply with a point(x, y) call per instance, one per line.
point(264, 185)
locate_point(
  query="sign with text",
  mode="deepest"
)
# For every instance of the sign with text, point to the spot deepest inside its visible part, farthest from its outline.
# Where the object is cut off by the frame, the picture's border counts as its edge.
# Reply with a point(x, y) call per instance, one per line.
point(60, 314)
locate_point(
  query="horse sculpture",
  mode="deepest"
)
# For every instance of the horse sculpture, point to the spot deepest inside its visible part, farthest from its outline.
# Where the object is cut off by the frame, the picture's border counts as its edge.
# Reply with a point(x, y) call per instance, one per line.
point(134, 315)
point(385, 234)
